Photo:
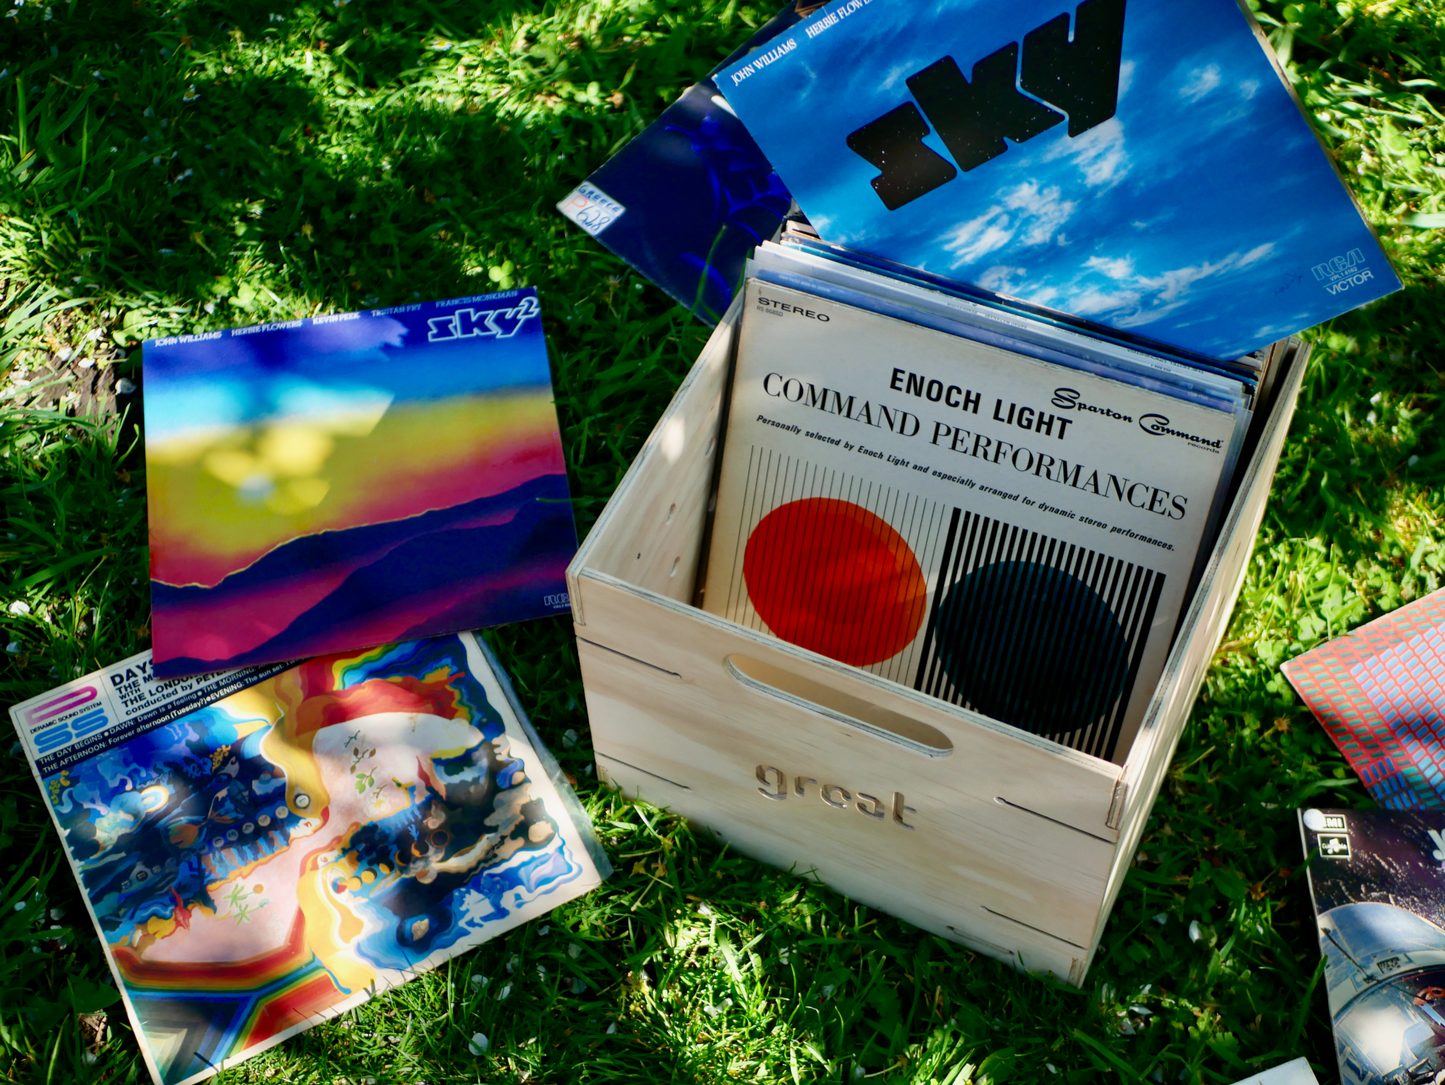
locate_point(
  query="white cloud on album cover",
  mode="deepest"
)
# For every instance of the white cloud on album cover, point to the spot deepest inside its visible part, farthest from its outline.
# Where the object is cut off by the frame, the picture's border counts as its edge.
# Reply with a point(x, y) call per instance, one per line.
point(1027, 213)
point(1201, 81)
point(1126, 78)
point(1099, 154)
point(1130, 299)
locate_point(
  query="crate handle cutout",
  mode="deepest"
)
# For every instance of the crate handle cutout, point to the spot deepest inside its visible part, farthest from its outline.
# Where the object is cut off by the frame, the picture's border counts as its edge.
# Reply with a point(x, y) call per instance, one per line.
point(883, 723)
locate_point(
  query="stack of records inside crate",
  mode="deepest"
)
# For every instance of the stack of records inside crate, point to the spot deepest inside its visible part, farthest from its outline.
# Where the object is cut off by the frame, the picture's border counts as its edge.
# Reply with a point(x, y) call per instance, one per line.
point(989, 397)
point(966, 495)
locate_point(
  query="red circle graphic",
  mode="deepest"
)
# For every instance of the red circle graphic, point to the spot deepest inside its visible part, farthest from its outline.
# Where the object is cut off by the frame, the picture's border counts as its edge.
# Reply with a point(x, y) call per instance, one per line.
point(830, 576)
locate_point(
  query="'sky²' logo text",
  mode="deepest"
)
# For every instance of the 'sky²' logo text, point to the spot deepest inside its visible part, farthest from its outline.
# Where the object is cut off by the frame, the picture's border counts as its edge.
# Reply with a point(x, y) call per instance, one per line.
point(467, 323)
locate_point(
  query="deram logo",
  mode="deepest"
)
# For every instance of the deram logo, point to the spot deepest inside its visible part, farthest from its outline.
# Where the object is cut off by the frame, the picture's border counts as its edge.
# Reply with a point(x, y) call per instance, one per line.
point(58, 706)
point(470, 323)
point(1009, 98)
point(62, 734)
point(1343, 272)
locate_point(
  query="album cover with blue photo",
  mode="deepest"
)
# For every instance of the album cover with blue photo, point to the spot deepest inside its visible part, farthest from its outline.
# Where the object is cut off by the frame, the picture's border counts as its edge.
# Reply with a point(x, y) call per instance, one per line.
point(1140, 163)
point(687, 199)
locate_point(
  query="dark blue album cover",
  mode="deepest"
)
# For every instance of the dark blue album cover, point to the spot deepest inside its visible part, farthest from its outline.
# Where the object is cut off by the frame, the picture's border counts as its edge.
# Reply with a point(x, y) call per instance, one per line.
point(685, 202)
point(1139, 163)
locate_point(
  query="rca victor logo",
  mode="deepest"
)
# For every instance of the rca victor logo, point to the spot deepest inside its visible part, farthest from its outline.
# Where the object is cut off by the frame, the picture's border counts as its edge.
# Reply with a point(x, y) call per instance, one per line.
point(776, 786)
point(1008, 98)
point(1343, 272)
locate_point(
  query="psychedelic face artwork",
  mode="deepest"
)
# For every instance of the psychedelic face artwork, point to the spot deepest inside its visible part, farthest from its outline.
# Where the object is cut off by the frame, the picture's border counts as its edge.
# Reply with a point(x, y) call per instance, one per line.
point(274, 858)
point(1379, 693)
point(349, 480)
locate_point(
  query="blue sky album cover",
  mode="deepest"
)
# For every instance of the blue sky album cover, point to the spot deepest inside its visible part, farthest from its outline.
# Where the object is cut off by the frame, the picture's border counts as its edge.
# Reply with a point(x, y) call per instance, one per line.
point(1136, 162)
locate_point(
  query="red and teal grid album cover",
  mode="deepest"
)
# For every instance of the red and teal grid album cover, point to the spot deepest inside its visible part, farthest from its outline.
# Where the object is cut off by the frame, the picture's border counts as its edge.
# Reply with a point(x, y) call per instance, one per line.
point(1380, 693)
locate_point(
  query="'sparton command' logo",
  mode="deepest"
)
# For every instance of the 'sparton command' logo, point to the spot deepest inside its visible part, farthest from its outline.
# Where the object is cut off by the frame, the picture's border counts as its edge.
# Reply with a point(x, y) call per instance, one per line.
point(1008, 98)
point(466, 323)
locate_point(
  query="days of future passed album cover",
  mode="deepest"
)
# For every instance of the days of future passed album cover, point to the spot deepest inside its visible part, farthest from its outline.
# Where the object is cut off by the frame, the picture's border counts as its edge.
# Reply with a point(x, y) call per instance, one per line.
point(341, 481)
point(262, 850)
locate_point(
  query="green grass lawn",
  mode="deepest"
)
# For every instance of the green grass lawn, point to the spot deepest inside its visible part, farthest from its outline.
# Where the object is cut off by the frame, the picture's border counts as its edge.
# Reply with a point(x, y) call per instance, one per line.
point(174, 169)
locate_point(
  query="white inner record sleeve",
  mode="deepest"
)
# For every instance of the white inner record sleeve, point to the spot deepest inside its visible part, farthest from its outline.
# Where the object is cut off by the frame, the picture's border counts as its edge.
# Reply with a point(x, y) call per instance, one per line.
point(1000, 532)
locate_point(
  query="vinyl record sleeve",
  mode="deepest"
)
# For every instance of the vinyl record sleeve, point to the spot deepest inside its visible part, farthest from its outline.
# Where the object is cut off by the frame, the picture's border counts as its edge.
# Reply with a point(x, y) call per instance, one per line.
point(1379, 691)
point(992, 529)
point(262, 850)
point(1068, 347)
point(341, 481)
point(688, 197)
point(1377, 881)
point(1100, 157)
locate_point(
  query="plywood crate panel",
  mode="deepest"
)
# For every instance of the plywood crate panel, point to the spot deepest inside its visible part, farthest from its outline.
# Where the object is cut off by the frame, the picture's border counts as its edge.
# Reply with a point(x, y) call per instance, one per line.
point(1004, 841)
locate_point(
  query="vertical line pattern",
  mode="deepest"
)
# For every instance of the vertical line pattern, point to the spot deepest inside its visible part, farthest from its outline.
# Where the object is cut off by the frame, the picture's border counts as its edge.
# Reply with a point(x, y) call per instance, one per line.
point(956, 543)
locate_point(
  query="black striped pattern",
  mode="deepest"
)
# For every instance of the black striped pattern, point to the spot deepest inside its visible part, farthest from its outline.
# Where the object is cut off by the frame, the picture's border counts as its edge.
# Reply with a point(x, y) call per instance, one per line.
point(1014, 649)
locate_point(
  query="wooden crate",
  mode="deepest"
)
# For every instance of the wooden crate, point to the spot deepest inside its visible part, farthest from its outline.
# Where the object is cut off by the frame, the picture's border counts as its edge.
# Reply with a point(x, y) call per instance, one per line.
point(1004, 841)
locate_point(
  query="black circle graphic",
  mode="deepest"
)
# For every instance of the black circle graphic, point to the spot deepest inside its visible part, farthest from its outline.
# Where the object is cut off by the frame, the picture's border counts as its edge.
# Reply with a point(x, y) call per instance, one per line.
point(1031, 646)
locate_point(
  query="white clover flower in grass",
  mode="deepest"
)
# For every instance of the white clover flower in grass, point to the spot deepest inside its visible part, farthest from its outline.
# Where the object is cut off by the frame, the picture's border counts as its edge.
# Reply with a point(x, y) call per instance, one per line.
point(19, 607)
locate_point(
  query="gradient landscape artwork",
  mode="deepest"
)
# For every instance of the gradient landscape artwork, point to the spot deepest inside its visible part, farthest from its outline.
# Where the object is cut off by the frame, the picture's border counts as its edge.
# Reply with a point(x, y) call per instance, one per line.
point(325, 484)
point(272, 858)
